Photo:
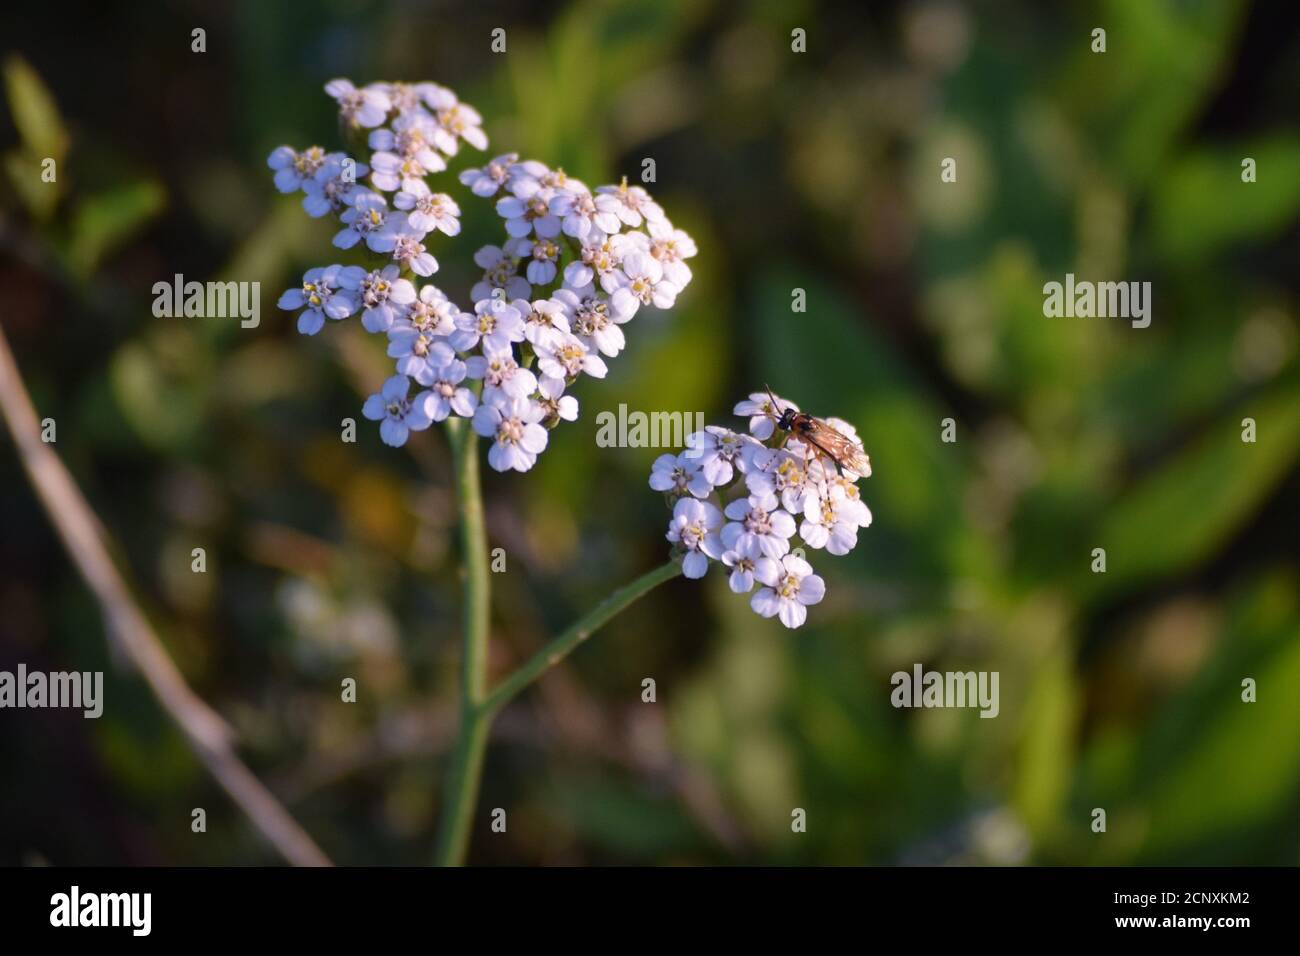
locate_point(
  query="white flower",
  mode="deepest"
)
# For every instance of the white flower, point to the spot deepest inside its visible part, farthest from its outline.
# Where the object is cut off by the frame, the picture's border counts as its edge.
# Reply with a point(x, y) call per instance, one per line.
point(694, 526)
point(321, 296)
point(428, 210)
point(513, 426)
point(791, 586)
point(368, 217)
point(406, 98)
point(496, 325)
point(293, 169)
point(446, 394)
point(542, 255)
point(366, 107)
point(499, 272)
point(487, 181)
point(431, 312)
point(720, 453)
point(501, 374)
point(556, 406)
point(831, 521)
point(632, 203)
point(782, 484)
point(527, 178)
point(410, 253)
point(625, 243)
point(842, 486)
point(568, 358)
point(598, 261)
point(382, 294)
point(463, 121)
point(592, 320)
point(581, 215)
point(436, 97)
point(670, 247)
point(644, 284)
point(397, 415)
point(762, 413)
point(403, 154)
point(558, 181)
point(757, 524)
point(390, 172)
point(746, 566)
point(777, 472)
point(419, 354)
point(528, 216)
point(334, 186)
point(545, 322)
point(411, 129)
point(679, 475)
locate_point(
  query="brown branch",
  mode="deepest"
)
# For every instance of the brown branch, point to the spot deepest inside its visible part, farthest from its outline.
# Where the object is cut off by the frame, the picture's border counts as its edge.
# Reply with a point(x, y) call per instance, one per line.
point(208, 734)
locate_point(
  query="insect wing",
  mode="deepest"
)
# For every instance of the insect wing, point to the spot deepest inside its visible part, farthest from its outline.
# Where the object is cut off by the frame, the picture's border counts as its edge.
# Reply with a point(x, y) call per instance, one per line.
point(846, 453)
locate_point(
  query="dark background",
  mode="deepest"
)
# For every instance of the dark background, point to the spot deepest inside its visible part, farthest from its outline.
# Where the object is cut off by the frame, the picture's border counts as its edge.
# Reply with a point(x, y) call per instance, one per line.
point(818, 171)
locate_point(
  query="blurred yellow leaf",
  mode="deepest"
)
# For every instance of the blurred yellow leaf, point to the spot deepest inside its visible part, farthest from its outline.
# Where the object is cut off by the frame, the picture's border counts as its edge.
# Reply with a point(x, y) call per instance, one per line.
point(34, 111)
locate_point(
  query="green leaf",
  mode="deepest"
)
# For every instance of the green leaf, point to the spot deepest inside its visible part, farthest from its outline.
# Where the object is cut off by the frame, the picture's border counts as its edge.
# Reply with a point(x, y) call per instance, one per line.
point(34, 111)
point(1201, 205)
point(1047, 751)
point(1241, 759)
point(104, 222)
point(1180, 515)
point(158, 386)
point(1163, 59)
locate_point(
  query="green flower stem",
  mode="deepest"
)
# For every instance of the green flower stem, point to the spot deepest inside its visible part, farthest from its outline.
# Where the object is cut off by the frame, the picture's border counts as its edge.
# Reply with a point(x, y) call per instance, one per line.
point(478, 708)
point(466, 767)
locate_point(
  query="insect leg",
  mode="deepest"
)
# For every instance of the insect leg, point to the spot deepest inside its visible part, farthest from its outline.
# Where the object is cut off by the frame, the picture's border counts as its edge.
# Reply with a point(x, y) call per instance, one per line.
point(822, 452)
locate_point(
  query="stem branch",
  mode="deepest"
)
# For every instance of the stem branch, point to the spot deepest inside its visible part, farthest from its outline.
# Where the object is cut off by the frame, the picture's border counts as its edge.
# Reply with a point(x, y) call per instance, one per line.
point(478, 707)
point(207, 733)
point(560, 647)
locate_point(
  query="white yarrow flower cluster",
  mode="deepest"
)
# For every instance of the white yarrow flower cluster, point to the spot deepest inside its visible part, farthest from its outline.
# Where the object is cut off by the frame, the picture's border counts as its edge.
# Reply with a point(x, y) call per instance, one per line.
point(575, 265)
point(756, 502)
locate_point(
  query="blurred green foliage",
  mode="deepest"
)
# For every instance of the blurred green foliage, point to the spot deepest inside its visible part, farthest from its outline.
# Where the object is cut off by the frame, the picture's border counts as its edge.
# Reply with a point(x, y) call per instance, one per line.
point(817, 171)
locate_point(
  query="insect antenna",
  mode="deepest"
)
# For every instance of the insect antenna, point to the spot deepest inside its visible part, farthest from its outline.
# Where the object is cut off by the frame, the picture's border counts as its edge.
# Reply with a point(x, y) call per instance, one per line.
point(776, 406)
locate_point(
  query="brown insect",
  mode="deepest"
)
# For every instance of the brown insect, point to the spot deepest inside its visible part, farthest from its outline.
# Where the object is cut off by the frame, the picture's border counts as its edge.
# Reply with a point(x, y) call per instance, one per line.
point(822, 439)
